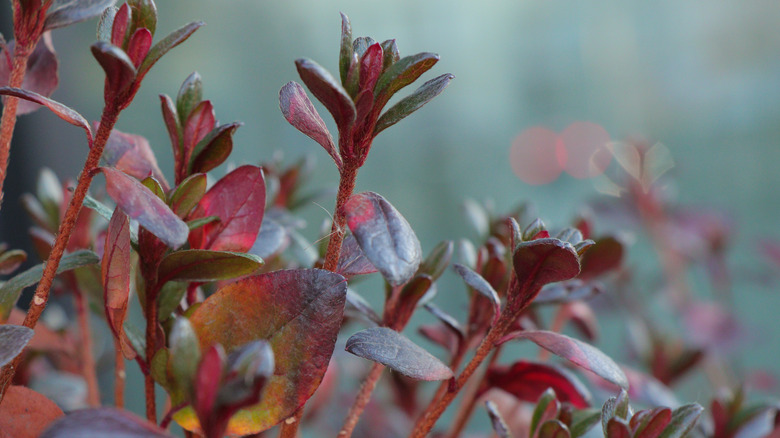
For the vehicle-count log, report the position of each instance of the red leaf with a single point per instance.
(115, 272)
(141, 204)
(171, 120)
(385, 237)
(370, 67)
(120, 71)
(605, 255)
(540, 262)
(575, 351)
(200, 122)
(238, 200)
(207, 381)
(328, 91)
(25, 413)
(617, 428)
(41, 76)
(528, 381)
(139, 46)
(121, 23)
(650, 423)
(132, 155)
(213, 149)
(299, 313)
(299, 111)
(352, 261)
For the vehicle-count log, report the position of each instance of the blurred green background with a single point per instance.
(700, 77)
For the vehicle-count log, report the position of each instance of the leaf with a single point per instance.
(41, 75)
(362, 307)
(554, 429)
(411, 294)
(370, 68)
(352, 260)
(345, 52)
(400, 74)
(199, 123)
(106, 23)
(171, 119)
(546, 409)
(413, 102)
(437, 260)
(529, 380)
(13, 338)
(385, 237)
(271, 239)
(11, 289)
(615, 407)
(498, 423)
(238, 199)
(187, 194)
(65, 13)
(173, 39)
(476, 282)
(60, 110)
(115, 273)
(104, 422)
(325, 88)
(391, 54)
(575, 351)
(213, 149)
(132, 155)
(25, 413)
(650, 423)
(190, 95)
(583, 420)
(299, 111)
(11, 260)
(603, 256)
(169, 297)
(185, 354)
(394, 350)
(206, 265)
(301, 325)
(683, 420)
(207, 382)
(144, 14)
(617, 428)
(142, 205)
(537, 263)
(119, 68)
(138, 46)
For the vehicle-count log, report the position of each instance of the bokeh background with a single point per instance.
(700, 77)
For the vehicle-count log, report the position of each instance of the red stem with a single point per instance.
(41, 297)
(87, 359)
(470, 399)
(362, 399)
(8, 121)
(119, 376)
(151, 350)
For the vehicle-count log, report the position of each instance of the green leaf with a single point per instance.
(301, 325)
(185, 352)
(187, 194)
(11, 289)
(413, 102)
(173, 39)
(345, 53)
(144, 13)
(152, 184)
(546, 408)
(583, 420)
(683, 420)
(401, 74)
(190, 95)
(169, 297)
(206, 265)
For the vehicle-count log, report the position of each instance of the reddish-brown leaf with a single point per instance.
(328, 91)
(199, 123)
(120, 71)
(301, 324)
(139, 46)
(605, 255)
(25, 413)
(206, 265)
(238, 200)
(352, 261)
(213, 149)
(540, 262)
(529, 380)
(132, 155)
(370, 67)
(41, 76)
(141, 204)
(650, 423)
(65, 113)
(575, 351)
(115, 272)
(299, 111)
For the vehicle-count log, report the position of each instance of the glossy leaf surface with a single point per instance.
(385, 237)
(187, 195)
(529, 380)
(11, 289)
(575, 351)
(206, 265)
(396, 351)
(299, 111)
(141, 204)
(103, 422)
(13, 338)
(301, 324)
(413, 102)
(115, 273)
(238, 199)
(402, 73)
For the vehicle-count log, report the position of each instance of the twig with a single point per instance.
(119, 375)
(87, 359)
(8, 121)
(362, 399)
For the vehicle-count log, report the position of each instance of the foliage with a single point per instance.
(241, 322)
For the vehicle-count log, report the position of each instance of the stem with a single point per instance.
(346, 186)
(41, 297)
(289, 427)
(87, 359)
(436, 408)
(119, 376)
(362, 399)
(470, 399)
(166, 421)
(8, 122)
(151, 349)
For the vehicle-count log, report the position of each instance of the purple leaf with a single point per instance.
(141, 204)
(385, 237)
(271, 239)
(13, 338)
(352, 261)
(132, 155)
(575, 351)
(301, 324)
(299, 111)
(115, 273)
(362, 307)
(65, 12)
(413, 102)
(537, 263)
(41, 76)
(529, 380)
(390, 348)
(60, 110)
(325, 88)
(206, 265)
(476, 282)
(102, 422)
(119, 68)
(238, 200)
